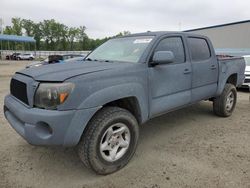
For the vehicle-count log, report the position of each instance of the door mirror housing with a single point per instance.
(163, 57)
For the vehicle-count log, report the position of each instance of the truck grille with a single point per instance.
(247, 81)
(18, 89)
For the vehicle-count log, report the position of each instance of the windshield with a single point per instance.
(128, 49)
(247, 60)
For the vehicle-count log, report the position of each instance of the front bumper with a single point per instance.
(46, 127)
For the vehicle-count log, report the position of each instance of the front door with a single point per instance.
(170, 84)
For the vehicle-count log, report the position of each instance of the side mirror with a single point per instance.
(163, 57)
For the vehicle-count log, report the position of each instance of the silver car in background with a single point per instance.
(26, 56)
(247, 71)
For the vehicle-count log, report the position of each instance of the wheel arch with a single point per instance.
(230, 79)
(130, 96)
(129, 103)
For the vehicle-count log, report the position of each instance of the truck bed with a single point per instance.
(230, 65)
(228, 57)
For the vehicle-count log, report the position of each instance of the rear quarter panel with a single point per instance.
(228, 67)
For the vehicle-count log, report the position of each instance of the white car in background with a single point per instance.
(247, 72)
(25, 56)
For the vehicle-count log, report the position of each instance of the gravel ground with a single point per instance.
(186, 148)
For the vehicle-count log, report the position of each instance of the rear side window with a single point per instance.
(175, 45)
(199, 49)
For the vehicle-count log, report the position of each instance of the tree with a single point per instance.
(82, 37)
(47, 33)
(64, 36)
(16, 26)
(37, 34)
(124, 33)
(8, 30)
(53, 35)
(72, 36)
(28, 26)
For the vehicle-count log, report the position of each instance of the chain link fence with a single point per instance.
(41, 54)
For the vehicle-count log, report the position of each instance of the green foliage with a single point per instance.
(28, 26)
(17, 26)
(52, 35)
(8, 30)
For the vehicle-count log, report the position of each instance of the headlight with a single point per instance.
(50, 95)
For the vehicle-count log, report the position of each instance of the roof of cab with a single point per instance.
(160, 33)
(154, 33)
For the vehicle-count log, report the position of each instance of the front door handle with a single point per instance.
(187, 71)
(213, 67)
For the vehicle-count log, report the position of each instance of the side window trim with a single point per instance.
(171, 36)
(190, 49)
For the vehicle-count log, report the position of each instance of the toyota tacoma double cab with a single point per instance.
(98, 105)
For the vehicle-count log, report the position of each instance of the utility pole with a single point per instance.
(1, 25)
(1, 32)
(179, 25)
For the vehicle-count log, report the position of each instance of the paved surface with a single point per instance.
(187, 148)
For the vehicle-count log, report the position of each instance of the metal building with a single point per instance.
(5, 41)
(233, 37)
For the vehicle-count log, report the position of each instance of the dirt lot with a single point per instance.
(187, 148)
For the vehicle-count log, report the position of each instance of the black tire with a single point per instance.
(89, 145)
(220, 103)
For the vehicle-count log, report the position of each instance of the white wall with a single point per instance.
(232, 36)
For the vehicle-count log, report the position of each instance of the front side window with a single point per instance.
(126, 49)
(175, 45)
(199, 49)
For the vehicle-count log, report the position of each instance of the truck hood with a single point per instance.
(60, 72)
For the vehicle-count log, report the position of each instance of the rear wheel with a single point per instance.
(109, 141)
(224, 105)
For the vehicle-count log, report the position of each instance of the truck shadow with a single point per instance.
(244, 90)
(59, 162)
(177, 120)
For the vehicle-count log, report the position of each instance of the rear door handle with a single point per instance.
(187, 71)
(213, 67)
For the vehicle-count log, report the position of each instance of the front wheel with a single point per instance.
(224, 105)
(109, 140)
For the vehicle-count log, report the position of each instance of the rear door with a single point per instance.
(170, 84)
(204, 68)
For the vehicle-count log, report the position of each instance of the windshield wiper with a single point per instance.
(100, 60)
(105, 60)
(88, 59)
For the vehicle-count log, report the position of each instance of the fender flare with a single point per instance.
(109, 94)
(223, 80)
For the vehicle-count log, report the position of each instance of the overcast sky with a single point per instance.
(108, 17)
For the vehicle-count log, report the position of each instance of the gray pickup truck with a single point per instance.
(98, 105)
